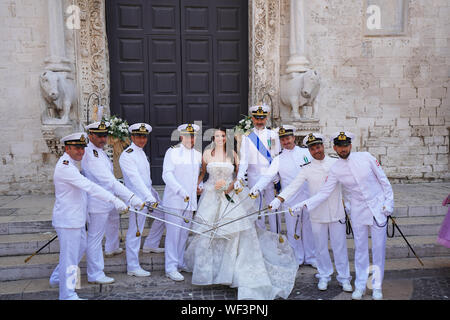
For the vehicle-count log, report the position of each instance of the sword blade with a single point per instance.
(169, 222)
(202, 225)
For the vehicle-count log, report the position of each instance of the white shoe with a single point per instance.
(54, 284)
(377, 294)
(104, 280)
(346, 286)
(175, 276)
(154, 250)
(113, 253)
(323, 285)
(139, 273)
(357, 294)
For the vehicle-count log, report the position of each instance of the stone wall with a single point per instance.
(391, 91)
(26, 164)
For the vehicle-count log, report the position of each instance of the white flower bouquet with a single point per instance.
(118, 128)
(244, 125)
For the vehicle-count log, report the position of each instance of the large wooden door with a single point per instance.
(177, 61)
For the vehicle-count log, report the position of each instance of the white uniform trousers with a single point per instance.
(362, 267)
(176, 238)
(133, 243)
(100, 223)
(267, 195)
(304, 247)
(156, 231)
(112, 231)
(338, 241)
(72, 246)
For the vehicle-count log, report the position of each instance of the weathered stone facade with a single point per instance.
(391, 91)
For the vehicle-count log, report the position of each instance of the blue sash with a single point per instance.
(260, 146)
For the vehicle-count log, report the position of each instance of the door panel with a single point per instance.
(177, 61)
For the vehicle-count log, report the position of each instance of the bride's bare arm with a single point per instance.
(236, 170)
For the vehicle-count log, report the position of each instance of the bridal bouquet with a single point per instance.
(244, 125)
(118, 128)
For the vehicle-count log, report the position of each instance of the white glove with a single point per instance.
(299, 206)
(136, 202)
(386, 212)
(150, 199)
(237, 185)
(255, 191)
(183, 194)
(120, 205)
(200, 185)
(275, 204)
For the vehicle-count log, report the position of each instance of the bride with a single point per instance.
(239, 254)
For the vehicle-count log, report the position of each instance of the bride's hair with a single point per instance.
(230, 153)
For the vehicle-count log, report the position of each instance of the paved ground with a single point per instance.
(405, 283)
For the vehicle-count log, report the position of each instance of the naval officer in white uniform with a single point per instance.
(103, 219)
(258, 148)
(371, 202)
(287, 165)
(181, 169)
(326, 218)
(70, 212)
(136, 175)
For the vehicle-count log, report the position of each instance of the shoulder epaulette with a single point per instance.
(95, 153)
(66, 162)
(129, 150)
(333, 156)
(302, 165)
(175, 146)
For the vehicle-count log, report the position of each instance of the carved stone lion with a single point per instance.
(299, 90)
(60, 94)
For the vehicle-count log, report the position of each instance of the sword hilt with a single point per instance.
(291, 212)
(253, 196)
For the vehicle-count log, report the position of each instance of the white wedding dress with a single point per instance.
(252, 260)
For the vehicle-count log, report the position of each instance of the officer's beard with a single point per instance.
(343, 155)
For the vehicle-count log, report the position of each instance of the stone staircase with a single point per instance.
(25, 226)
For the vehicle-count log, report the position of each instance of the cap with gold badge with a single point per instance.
(140, 129)
(75, 139)
(99, 128)
(260, 111)
(342, 138)
(313, 138)
(188, 129)
(285, 130)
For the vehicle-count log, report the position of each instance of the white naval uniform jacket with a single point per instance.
(136, 172)
(365, 184)
(97, 167)
(288, 164)
(70, 209)
(181, 169)
(315, 173)
(251, 160)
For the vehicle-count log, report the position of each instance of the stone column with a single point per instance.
(297, 61)
(57, 60)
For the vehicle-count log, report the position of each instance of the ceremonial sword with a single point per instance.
(398, 228)
(172, 223)
(51, 240)
(186, 220)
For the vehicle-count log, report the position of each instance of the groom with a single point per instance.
(181, 168)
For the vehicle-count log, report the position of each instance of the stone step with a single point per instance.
(21, 244)
(28, 243)
(39, 288)
(42, 222)
(41, 265)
